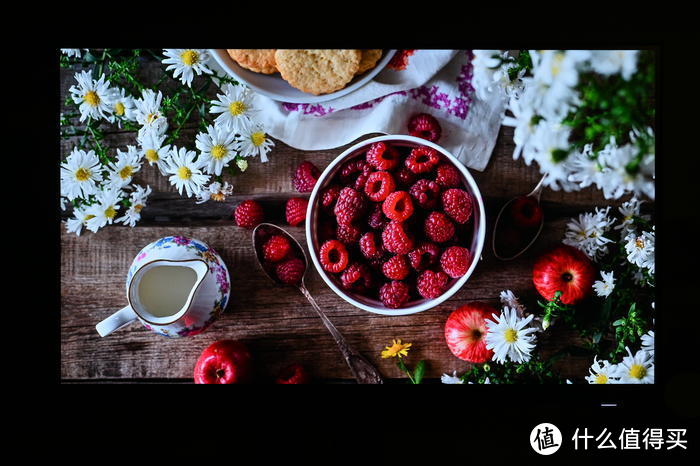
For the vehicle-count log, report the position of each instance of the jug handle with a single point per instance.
(116, 321)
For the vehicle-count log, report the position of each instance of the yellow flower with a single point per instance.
(396, 349)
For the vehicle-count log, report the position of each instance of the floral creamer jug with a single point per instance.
(176, 287)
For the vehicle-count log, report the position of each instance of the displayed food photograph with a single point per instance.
(357, 216)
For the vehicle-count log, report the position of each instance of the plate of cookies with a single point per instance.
(303, 75)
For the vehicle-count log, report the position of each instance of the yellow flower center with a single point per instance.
(639, 243)
(119, 109)
(88, 217)
(138, 207)
(82, 174)
(511, 335)
(151, 117)
(236, 108)
(184, 173)
(556, 64)
(92, 98)
(218, 197)
(219, 151)
(189, 57)
(638, 371)
(126, 172)
(110, 212)
(257, 138)
(152, 155)
(601, 379)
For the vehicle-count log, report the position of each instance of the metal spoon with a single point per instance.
(363, 371)
(535, 194)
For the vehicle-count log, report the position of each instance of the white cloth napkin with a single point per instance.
(437, 82)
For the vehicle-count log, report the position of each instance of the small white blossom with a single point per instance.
(510, 337)
(254, 141)
(605, 287)
(153, 150)
(80, 174)
(602, 372)
(186, 63)
(185, 171)
(122, 106)
(92, 96)
(637, 368)
(610, 62)
(215, 191)
(79, 220)
(587, 233)
(235, 106)
(138, 202)
(217, 148)
(148, 113)
(629, 210)
(72, 52)
(122, 171)
(648, 342)
(451, 379)
(640, 250)
(105, 209)
(509, 299)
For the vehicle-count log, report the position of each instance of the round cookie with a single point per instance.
(258, 60)
(369, 59)
(318, 71)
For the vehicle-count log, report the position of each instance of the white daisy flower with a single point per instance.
(148, 113)
(235, 106)
(122, 106)
(186, 63)
(72, 52)
(122, 171)
(648, 342)
(91, 96)
(242, 164)
(138, 202)
(617, 180)
(629, 210)
(509, 299)
(584, 169)
(486, 381)
(254, 141)
(549, 146)
(217, 148)
(510, 336)
(79, 220)
(485, 65)
(80, 173)
(602, 372)
(153, 150)
(606, 286)
(640, 250)
(610, 62)
(185, 171)
(587, 233)
(636, 369)
(105, 209)
(451, 379)
(215, 191)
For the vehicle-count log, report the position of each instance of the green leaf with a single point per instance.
(418, 372)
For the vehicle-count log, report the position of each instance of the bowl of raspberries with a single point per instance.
(395, 225)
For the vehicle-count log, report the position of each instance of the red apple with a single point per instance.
(465, 332)
(526, 212)
(564, 269)
(224, 362)
(294, 374)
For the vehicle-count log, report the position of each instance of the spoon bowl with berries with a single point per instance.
(284, 261)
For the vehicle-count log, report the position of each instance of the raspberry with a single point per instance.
(379, 185)
(394, 294)
(404, 177)
(276, 248)
(431, 284)
(422, 159)
(395, 238)
(448, 176)
(334, 256)
(425, 126)
(382, 157)
(438, 227)
(349, 206)
(426, 193)
(369, 247)
(400, 59)
(350, 170)
(348, 234)
(328, 197)
(457, 203)
(296, 210)
(290, 271)
(424, 256)
(248, 214)
(376, 219)
(398, 206)
(361, 181)
(293, 375)
(396, 268)
(305, 177)
(357, 277)
(455, 261)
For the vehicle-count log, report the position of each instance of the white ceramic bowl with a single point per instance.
(276, 88)
(478, 223)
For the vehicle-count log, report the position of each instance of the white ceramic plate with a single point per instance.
(276, 88)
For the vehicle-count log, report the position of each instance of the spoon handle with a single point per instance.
(361, 368)
(537, 192)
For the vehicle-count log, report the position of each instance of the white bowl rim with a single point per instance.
(219, 57)
(480, 229)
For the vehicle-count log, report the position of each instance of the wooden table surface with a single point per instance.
(278, 324)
